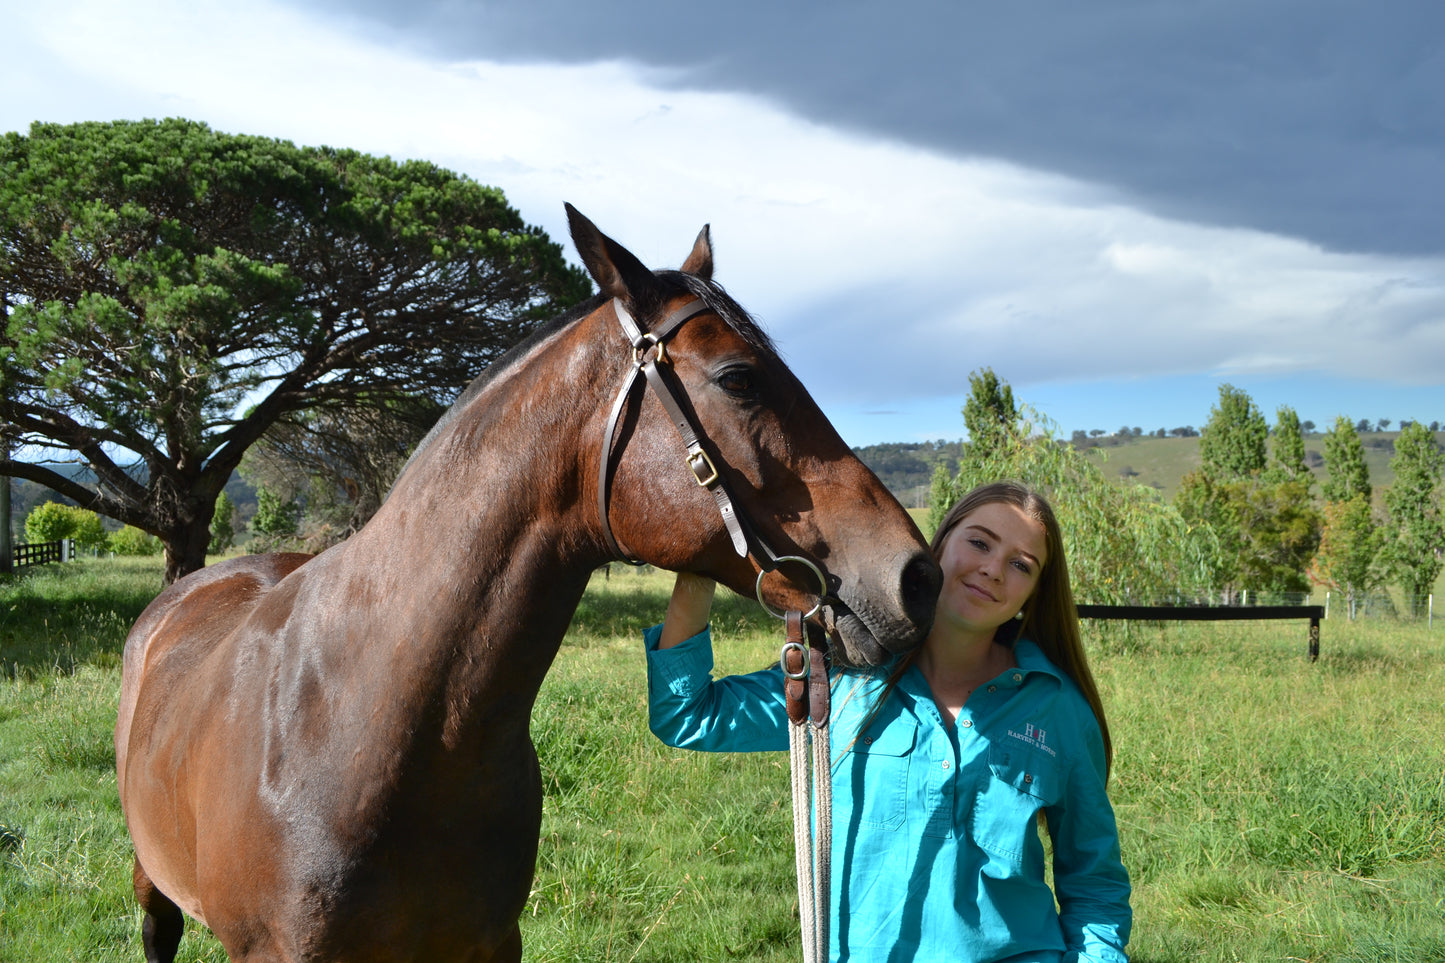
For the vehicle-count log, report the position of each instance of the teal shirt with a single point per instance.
(936, 851)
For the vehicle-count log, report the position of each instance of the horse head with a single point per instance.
(791, 488)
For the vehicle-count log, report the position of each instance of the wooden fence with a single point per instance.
(41, 553)
(1212, 613)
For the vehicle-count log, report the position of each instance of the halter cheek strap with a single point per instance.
(649, 354)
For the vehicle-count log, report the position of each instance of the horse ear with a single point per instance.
(699, 262)
(618, 273)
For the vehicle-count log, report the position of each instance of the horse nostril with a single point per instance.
(919, 587)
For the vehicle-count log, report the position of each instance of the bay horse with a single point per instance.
(328, 759)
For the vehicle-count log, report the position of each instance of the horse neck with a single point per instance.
(488, 529)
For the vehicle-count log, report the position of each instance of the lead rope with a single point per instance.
(806, 693)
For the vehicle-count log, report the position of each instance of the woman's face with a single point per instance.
(991, 563)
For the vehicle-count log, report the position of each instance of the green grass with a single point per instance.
(1269, 808)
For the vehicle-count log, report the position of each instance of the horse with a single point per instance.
(328, 758)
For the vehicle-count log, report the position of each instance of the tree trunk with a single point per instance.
(186, 546)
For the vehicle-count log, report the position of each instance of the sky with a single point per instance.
(1117, 205)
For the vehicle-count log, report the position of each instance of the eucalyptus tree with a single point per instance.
(169, 293)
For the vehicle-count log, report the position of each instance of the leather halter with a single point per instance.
(648, 354)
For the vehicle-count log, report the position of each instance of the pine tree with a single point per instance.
(1417, 522)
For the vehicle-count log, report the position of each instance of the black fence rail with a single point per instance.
(1212, 613)
(42, 553)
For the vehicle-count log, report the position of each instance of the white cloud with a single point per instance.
(887, 272)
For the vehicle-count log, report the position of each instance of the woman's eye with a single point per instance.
(1023, 567)
(979, 544)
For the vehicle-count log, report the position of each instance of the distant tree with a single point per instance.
(1095, 432)
(1079, 438)
(153, 275)
(1267, 528)
(1363, 426)
(276, 515)
(1232, 443)
(132, 541)
(1289, 448)
(1348, 476)
(49, 522)
(1307, 426)
(1417, 523)
(1434, 426)
(52, 521)
(1185, 431)
(1138, 431)
(1383, 424)
(223, 525)
(1405, 423)
(1347, 559)
(989, 414)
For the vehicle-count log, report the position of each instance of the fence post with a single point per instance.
(1327, 603)
(1430, 611)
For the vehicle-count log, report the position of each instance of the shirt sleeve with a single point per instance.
(688, 709)
(1090, 881)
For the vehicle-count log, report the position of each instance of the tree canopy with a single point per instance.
(156, 275)
(1232, 443)
(1349, 476)
(1417, 521)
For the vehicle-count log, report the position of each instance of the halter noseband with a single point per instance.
(648, 352)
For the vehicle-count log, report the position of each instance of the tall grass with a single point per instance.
(1270, 808)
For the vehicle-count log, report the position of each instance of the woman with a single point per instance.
(944, 760)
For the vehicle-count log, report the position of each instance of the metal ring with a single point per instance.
(822, 588)
(783, 661)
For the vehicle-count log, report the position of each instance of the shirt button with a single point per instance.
(867, 740)
(946, 763)
(966, 723)
(1018, 677)
(993, 688)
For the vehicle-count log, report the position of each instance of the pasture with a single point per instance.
(1270, 809)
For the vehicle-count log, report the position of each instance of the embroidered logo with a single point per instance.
(1033, 736)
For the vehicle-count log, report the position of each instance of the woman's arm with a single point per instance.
(688, 609)
(687, 707)
(1090, 881)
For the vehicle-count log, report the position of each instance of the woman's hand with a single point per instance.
(687, 610)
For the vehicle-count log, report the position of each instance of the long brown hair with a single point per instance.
(1049, 617)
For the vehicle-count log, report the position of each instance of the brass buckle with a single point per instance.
(639, 354)
(691, 459)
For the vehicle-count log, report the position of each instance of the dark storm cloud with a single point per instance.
(1318, 119)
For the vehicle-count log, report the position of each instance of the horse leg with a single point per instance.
(161, 929)
(510, 949)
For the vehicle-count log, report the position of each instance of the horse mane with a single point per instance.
(673, 283)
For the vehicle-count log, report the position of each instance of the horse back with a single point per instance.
(187, 619)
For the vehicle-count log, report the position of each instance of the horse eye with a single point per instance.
(738, 382)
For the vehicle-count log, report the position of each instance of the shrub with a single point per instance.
(132, 541)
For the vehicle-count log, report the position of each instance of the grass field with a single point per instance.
(1270, 809)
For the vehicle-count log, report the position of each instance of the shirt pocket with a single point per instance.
(1021, 781)
(875, 775)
